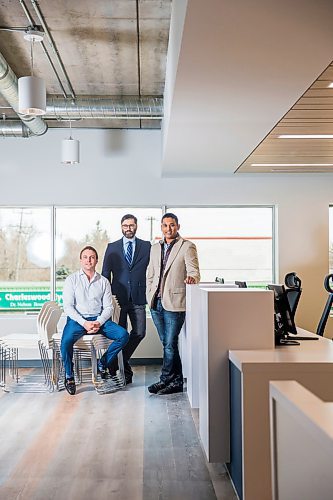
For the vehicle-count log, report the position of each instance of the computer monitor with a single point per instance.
(241, 284)
(283, 318)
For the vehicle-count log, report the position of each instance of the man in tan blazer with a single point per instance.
(173, 265)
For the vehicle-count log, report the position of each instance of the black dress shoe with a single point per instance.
(170, 389)
(102, 370)
(154, 388)
(70, 386)
(128, 379)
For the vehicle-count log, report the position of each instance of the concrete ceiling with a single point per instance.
(108, 48)
(241, 67)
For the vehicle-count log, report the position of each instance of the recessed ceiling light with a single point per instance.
(331, 85)
(292, 170)
(305, 136)
(291, 164)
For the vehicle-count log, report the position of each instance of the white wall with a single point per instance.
(122, 167)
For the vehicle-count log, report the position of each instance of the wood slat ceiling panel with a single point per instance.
(286, 170)
(312, 92)
(306, 114)
(305, 149)
(318, 128)
(311, 114)
(321, 84)
(327, 74)
(316, 100)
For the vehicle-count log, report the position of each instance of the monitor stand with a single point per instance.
(299, 337)
(288, 341)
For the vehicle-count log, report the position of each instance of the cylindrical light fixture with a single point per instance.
(70, 151)
(32, 95)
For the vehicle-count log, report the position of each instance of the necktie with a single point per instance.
(129, 253)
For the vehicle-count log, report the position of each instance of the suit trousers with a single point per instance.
(73, 331)
(137, 316)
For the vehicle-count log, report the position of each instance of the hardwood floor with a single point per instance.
(128, 445)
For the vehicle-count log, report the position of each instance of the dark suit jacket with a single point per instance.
(127, 282)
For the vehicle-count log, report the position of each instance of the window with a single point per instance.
(25, 258)
(77, 227)
(234, 243)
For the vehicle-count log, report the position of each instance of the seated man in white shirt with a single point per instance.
(87, 300)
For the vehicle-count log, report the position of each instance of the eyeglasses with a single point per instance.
(128, 226)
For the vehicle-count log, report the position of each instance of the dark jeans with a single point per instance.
(168, 325)
(137, 316)
(73, 331)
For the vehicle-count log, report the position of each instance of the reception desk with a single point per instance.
(237, 318)
(190, 337)
(310, 364)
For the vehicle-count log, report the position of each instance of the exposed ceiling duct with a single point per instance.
(9, 90)
(14, 128)
(129, 108)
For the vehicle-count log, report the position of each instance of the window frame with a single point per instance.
(164, 209)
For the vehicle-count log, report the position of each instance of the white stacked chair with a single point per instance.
(45, 344)
(87, 351)
(9, 349)
(47, 320)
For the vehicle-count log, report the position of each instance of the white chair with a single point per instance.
(87, 350)
(47, 319)
(9, 352)
(45, 344)
(99, 344)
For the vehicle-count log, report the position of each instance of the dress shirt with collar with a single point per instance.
(83, 298)
(125, 245)
(167, 246)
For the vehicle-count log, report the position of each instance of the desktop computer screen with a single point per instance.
(284, 323)
(283, 318)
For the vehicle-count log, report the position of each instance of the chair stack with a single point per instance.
(46, 326)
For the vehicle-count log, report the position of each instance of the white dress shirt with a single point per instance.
(83, 298)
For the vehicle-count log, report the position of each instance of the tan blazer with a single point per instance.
(182, 262)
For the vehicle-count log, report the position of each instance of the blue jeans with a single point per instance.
(73, 331)
(168, 325)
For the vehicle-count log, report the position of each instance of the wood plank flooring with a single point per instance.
(128, 445)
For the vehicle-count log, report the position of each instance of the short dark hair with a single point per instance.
(129, 216)
(170, 215)
(88, 247)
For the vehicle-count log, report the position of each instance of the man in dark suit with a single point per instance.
(125, 263)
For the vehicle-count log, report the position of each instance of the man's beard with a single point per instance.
(128, 234)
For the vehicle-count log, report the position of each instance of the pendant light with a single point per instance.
(70, 149)
(31, 89)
